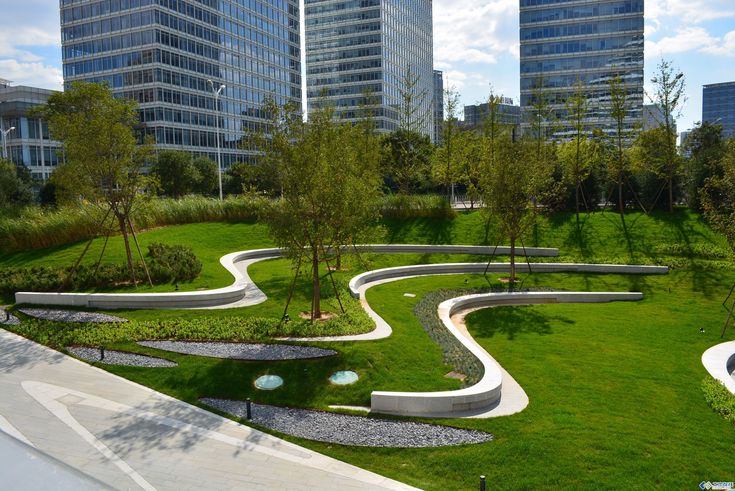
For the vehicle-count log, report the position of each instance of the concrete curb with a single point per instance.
(487, 391)
(719, 361)
(242, 292)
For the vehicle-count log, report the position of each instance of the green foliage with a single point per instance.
(167, 264)
(705, 147)
(329, 181)
(718, 195)
(406, 161)
(172, 263)
(15, 187)
(719, 398)
(36, 228)
(175, 173)
(455, 354)
(416, 206)
(207, 177)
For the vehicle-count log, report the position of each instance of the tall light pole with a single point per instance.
(5, 141)
(217, 93)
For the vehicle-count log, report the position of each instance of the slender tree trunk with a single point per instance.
(576, 201)
(316, 310)
(512, 260)
(129, 255)
(671, 194)
(620, 198)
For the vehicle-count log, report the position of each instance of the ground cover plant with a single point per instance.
(615, 389)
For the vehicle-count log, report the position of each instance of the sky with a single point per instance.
(475, 44)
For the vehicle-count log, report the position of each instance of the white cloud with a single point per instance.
(35, 74)
(685, 39)
(725, 47)
(688, 12)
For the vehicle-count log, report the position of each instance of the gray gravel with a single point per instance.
(113, 357)
(358, 431)
(71, 316)
(241, 351)
(8, 319)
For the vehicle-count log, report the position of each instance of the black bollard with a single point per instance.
(249, 409)
(482, 483)
(102, 353)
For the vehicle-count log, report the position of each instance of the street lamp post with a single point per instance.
(5, 141)
(217, 93)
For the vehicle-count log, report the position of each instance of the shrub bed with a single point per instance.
(166, 264)
(416, 206)
(719, 398)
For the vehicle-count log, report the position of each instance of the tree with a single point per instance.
(15, 186)
(617, 163)
(668, 94)
(718, 194)
(103, 159)
(175, 173)
(577, 154)
(414, 113)
(448, 156)
(329, 181)
(406, 160)
(470, 172)
(510, 185)
(650, 161)
(705, 148)
(206, 183)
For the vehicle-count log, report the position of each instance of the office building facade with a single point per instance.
(363, 55)
(589, 42)
(438, 105)
(508, 114)
(163, 53)
(28, 143)
(718, 106)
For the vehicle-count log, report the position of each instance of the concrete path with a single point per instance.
(130, 437)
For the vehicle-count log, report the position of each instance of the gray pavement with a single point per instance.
(130, 437)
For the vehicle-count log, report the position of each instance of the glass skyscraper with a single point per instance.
(162, 53)
(360, 53)
(718, 106)
(564, 42)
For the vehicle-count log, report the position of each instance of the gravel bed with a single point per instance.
(8, 319)
(71, 316)
(124, 358)
(355, 431)
(241, 351)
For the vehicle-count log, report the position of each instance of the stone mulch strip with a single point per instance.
(124, 358)
(241, 351)
(356, 431)
(8, 319)
(71, 316)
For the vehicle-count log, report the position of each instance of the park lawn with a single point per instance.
(614, 388)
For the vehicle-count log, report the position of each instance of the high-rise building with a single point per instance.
(438, 105)
(718, 106)
(27, 143)
(587, 42)
(365, 55)
(508, 113)
(163, 53)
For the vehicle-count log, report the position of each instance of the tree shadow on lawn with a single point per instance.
(423, 230)
(512, 321)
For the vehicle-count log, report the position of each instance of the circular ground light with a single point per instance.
(345, 377)
(268, 382)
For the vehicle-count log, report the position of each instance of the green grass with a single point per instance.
(615, 389)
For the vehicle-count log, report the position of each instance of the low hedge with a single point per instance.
(166, 264)
(719, 398)
(416, 206)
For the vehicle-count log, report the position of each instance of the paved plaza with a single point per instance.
(130, 437)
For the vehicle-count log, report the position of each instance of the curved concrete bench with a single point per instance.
(243, 291)
(487, 391)
(478, 268)
(720, 362)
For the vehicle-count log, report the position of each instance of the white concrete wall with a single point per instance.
(487, 391)
(719, 362)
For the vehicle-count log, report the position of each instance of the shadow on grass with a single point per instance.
(511, 322)
(426, 230)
